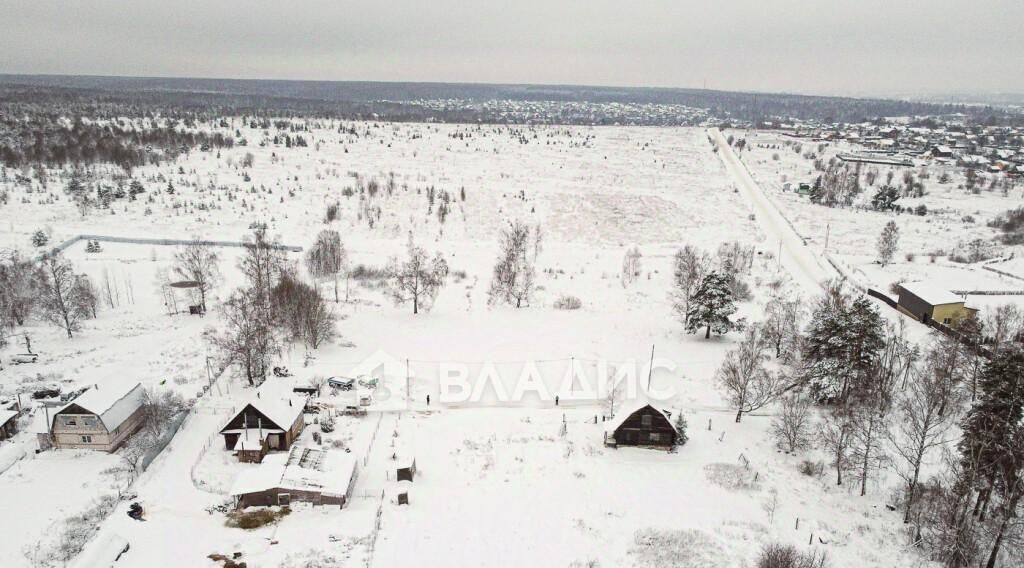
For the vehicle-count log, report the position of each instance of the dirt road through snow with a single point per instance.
(797, 258)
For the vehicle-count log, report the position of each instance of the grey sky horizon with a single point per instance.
(870, 47)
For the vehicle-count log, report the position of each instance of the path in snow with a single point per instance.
(797, 258)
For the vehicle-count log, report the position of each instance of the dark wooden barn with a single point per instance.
(643, 426)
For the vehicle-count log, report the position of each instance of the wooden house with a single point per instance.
(102, 418)
(641, 425)
(264, 425)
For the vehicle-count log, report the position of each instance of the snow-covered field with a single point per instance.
(500, 484)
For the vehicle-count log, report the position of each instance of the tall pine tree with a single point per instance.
(992, 446)
(711, 307)
(843, 339)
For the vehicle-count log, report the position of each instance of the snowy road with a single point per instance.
(797, 258)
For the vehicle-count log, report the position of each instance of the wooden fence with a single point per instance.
(160, 242)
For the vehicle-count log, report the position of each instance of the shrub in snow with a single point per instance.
(731, 476)
(776, 555)
(255, 519)
(812, 468)
(312, 559)
(678, 549)
(568, 303)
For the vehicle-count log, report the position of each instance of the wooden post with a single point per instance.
(709, 424)
(811, 540)
(797, 527)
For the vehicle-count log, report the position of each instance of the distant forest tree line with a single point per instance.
(41, 117)
(45, 138)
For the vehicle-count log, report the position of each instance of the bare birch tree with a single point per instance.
(418, 279)
(921, 428)
(690, 265)
(747, 383)
(198, 262)
(836, 433)
(514, 278)
(792, 428)
(327, 258)
(248, 340)
(60, 300)
(869, 428)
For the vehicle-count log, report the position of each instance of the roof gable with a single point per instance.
(113, 403)
(276, 414)
(623, 416)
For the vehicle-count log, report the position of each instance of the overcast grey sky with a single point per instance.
(812, 46)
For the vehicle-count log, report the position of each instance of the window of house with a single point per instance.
(646, 421)
(70, 422)
(655, 437)
(86, 439)
(946, 321)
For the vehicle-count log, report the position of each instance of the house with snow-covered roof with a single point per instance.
(102, 418)
(926, 301)
(312, 475)
(640, 424)
(263, 425)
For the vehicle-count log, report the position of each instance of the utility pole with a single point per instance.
(650, 370)
(827, 227)
(408, 385)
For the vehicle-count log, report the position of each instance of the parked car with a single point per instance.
(282, 372)
(20, 358)
(341, 383)
(45, 393)
(368, 383)
(72, 395)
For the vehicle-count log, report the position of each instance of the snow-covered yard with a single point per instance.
(508, 483)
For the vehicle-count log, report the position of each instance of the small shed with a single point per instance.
(405, 468)
(640, 425)
(926, 302)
